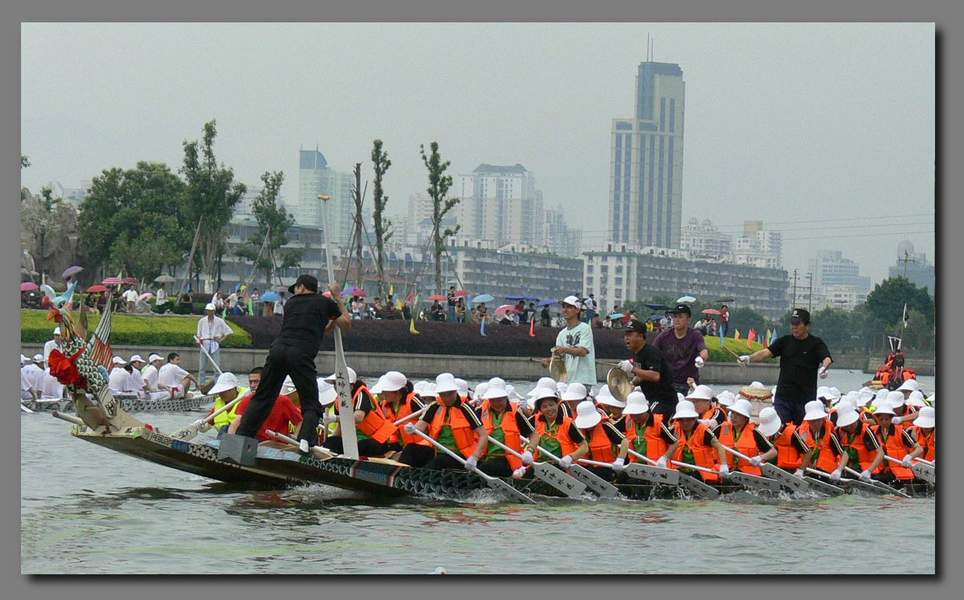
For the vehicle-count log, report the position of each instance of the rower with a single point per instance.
(544, 382)
(555, 431)
(696, 444)
(790, 446)
(503, 423)
(227, 388)
(397, 399)
(647, 433)
(119, 379)
(724, 400)
(136, 383)
(702, 399)
(172, 378)
(825, 453)
(768, 427)
(570, 399)
(149, 372)
(742, 435)
(31, 377)
(896, 442)
(284, 417)
(911, 407)
(924, 433)
(452, 424)
(908, 386)
(859, 443)
(375, 432)
(606, 438)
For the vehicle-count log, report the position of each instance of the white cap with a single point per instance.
(561, 387)
(847, 417)
(769, 421)
(352, 377)
(823, 392)
(513, 395)
(495, 391)
(209, 306)
(136, 358)
(636, 404)
(326, 392)
(743, 407)
(154, 357)
(814, 410)
(916, 399)
(542, 383)
(847, 403)
(726, 398)
(463, 386)
(702, 392)
(495, 380)
(930, 399)
(445, 382)
(428, 390)
(758, 385)
(680, 397)
(419, 387)
(572, 301)
(575, 391)
(685, 410)
(605, 396)
(390, 382)
(926, 417)
(909, 385)
(895, 399)
(24, 360)
(288, 385)
(225, 382)
(586, 415)
(56, 330)
(116, 360)
(884, 408)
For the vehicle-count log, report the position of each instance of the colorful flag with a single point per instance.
(736, 334)
(411, 327)
(766, 338)
(773, 337)
(99, 345)
(750, 338)
(532, 327)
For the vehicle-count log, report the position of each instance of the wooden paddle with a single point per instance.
(878, 484)
(411, 416)
(568, 485)
(201, 346)
(493, 482)
(24, 409)
(317, 451)
(748, 479)
(850, 483)
(595, 483)
(191, 431)
(641, 472)
(692, 484)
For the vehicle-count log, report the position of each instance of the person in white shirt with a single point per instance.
(279, 306)
(160, 297)
(130, 297)
(173, 379)
(27, 369)
(57, 342)
(210, 331)
(136, 379)
(51, 388)
(119, 379)
(149, 372)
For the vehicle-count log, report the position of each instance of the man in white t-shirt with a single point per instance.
(119, 377)
(27, 377)
(136, 379)
(575, 344)
(149, 372)
(211, 330)
(130, 297)
(51, 387)
(57, 342)
(172, 378)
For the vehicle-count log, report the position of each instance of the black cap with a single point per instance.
(800, 315)
(682, 309)
(637, 326)
(309, 281)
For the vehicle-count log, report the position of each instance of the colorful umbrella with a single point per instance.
(96, 289)
(28, 286)
(112, 281)
(437, 298)
(710, 311)
(657, 306)
(482, 298)
(129, 280)
(524, 298)
(164, 279)
(270, 296)
(616, 315)
(72, 271)
(547, 302)
(461, 294)
(685, 300)
(505, 308)
(145, 296)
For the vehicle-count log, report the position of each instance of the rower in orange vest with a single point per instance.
(924, 432)
(504, 423)
(858, 443)
(897, 443)
(790, 447)
(397, 399)
(647, 433)
(555, 431)
(742, 435)
(604, 427)
(374, 431)
(451, 423)
(696, 444)
(816, 430)
(702, 398)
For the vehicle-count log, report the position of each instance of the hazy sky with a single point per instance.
(824, 131)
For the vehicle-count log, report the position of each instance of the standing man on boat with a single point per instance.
(803, 357)
(649, 371)
(683, 349)
(211, 330)
(308, 315)
(575, 344)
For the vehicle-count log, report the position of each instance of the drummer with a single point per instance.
(575, 345)
(649, 371)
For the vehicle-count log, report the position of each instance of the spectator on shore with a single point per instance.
(607, 322)
(545, 316)
(279, 305)
(211, 330)
(483, 312)
(590, 308)
(130, 297)
(160, 297)
(724, 321)
(450, 299)
(460, 310)
(436, 311)
(406, 311)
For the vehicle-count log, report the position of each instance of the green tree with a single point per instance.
(131, 220)
(886, 302)
(24, 161)
(211, 195)
(264, 249)
(439, 184)
(383, 227)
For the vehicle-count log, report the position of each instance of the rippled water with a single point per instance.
(88, 510)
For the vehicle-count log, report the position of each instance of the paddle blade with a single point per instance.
(794, 484)
(824, 488)
(697, 487)
(595, 483)
(570, 486)
(497, 484)
(655, 475)
(753, 482)
(925, 472)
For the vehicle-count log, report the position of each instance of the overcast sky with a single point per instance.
(824, 131)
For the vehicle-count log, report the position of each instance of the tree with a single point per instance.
(211, 195)
(264, 248)
(132, 221)
(439, 184)
(48, 222)
(383, 227)
(24, 161)
(886, 302)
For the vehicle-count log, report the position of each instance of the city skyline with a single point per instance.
(807, 168)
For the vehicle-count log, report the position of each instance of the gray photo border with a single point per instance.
(945, 13)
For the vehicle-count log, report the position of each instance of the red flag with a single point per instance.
(532, 327)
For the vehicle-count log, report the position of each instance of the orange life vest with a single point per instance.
(855, 444)
(374, 425)
(601, 448)
(825, 459)
(406, 407)
(703, 455)
(927, 441)
(788, 457)
(561, 435)
(894, 447)
(656, 446)
(462, 430)
(510, 431)
(745, 445)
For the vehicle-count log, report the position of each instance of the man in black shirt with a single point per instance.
(802, 358)
(307, 315)
(649, 371)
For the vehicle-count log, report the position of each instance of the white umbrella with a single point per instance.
(686, 300)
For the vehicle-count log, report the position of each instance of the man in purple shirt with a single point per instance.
(683, 349)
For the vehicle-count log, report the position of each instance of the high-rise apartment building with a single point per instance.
(500, 204)
(315, 177)
(702, 240)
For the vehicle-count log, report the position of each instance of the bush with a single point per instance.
(149, 330)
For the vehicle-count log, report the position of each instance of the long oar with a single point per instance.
(651, 472)
(925, 472)
(191, 431)
(201, 346)
(69, 418)
(568, 485)
(24, 409)
(417, 413)
(316, 451)
(879, 484)
(787, 480)
(749, 480)
(595, 483)
(924, 463)
(692, 484)
(346, 413)
(856, 484)
(493, 482)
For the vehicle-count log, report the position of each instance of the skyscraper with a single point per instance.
(646, 162)
(316, 177)
(502, 204)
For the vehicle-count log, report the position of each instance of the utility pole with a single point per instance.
(359, 281)
(810, 293)
(793, 303)
(906, 259)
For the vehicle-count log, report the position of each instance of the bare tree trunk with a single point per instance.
(359, 280)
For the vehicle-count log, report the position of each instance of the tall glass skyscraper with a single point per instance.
(646, 162)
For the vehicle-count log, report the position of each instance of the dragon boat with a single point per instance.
(129, 403)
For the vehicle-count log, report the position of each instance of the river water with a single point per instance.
(87, 510)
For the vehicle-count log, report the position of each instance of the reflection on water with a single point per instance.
(88, 510)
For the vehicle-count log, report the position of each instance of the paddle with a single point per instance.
(191, 431)
(68, 418)
(346, 413)
(638, 471)
(878, 484)
(858, 484)
(316, 451)
(493, 482)
(26, 410)
(201, 346)
(595, 483)
(762, 483)
(925, 472)
(568, 485)
(411, 416)
(692, 484)
(925, 464)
